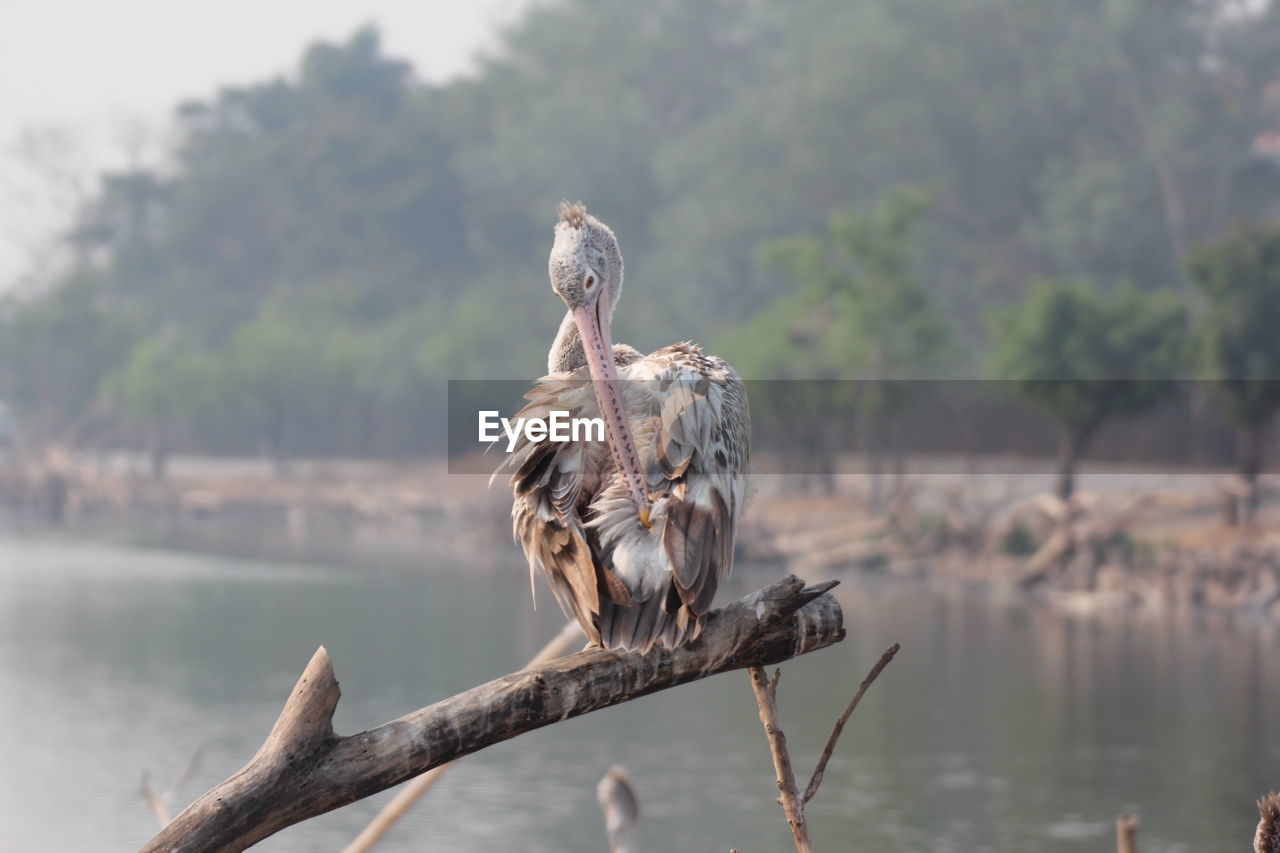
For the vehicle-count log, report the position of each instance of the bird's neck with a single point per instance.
(566, 352)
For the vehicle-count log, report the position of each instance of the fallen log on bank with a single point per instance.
(305, 769)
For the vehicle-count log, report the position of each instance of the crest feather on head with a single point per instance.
(573, 213)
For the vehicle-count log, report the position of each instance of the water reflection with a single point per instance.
(999, 727)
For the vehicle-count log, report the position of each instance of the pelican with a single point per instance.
(633, 533)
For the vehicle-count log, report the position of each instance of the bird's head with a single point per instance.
(585, 264)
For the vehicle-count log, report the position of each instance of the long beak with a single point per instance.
(593, 326)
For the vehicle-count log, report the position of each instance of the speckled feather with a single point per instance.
(629, 586)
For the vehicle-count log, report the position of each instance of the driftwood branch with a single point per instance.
(793, 802)
(561, 644)
(305, 769)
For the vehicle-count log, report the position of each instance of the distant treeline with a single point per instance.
(320, 252)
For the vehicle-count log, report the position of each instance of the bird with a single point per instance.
(633, 530)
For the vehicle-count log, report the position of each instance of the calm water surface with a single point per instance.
(1000, 727)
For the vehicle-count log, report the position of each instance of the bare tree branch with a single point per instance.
(766, 690)
(305, 769)
(816, 779)
(559, 645)
(793, 803)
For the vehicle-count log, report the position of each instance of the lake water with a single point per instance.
(1000, 727)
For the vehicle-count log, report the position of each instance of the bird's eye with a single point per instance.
(589, 282)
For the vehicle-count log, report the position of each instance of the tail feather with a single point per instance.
(643, 625)
(646, 632)
(679, 631)
(617, 624)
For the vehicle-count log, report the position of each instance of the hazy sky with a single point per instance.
(90, 79)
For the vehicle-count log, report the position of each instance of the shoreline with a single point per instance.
(1142, 540)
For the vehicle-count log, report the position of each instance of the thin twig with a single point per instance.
(818, 771)
(158, 803)
(157, 806)
(193, 763)
(766, 690)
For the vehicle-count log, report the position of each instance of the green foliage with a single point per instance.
(1082, 355)
(55, 351)
(857, 311)
(283, 368)
(1239, 276)
(164, 381)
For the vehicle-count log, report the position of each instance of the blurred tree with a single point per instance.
(859, 312)
(163, 386)
(1057, 139)
(285, 368)
(1084, 356)
(1239, 276)
(340, 182)
(55, 353)
(1089, 140)
(874, 317)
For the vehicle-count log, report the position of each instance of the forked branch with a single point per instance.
(766, 690)
(793, 802)
(305, 769)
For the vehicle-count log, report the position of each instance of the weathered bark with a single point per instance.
(564, 642)
(305, 769)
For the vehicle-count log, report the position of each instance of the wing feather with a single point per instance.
(693, 433)
(547, 479)
(629, 586)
